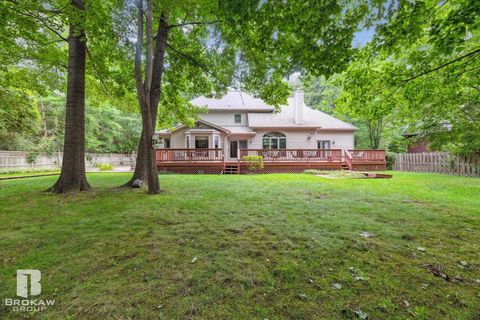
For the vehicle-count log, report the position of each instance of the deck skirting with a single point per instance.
(277, 167)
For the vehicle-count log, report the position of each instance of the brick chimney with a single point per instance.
(298, 96)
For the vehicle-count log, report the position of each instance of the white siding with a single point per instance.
(178, 139)
(343, 140)
(299, 139)
(225, 118)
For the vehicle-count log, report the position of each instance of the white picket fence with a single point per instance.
(29, 160)
(438, 162)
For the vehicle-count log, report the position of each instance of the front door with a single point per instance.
(234, 149)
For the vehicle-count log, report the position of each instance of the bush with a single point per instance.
(390, 158)
(31, 158)
(104, 167)
(254, 162)
(314, 171)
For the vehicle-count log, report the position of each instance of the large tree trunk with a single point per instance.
(140, 164)
(151, 168)
(72, 177)
(149, 96)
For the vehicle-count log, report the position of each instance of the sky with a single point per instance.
(362, 37)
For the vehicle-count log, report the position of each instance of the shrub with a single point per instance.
(104, 167)
(254, 162)
(31, 158)
(390, 158)
(315, 171)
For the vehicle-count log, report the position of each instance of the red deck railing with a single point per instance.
(349, 157)
(367, 155)
(189, 155)
(301, 155)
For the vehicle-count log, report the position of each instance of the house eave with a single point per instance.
(337, 129)
(241, 110)
(285, 127)
(219, 128)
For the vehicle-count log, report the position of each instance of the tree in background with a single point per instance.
(366, 96)
(422, 68)
(322, 94)
(18, 115)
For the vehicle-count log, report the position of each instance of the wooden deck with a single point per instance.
(274, 160)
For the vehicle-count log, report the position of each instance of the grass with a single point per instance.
(28, 172)
(247, 247)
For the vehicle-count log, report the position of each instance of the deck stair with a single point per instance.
(231, 169)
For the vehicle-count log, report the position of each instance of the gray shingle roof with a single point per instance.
(233, 100)
(285, 118)
(262, 115)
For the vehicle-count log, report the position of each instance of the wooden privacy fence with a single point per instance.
(10, 160)
(438, 162)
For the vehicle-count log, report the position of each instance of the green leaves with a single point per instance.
(419, 74)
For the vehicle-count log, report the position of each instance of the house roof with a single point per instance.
(233, 100)
(261, 115)
(209, 124)
(285, 119)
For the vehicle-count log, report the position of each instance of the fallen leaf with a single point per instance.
(436, 271)
(366, 234)
(361, 314)
(337, 286)
(357, 274)
(194, 259)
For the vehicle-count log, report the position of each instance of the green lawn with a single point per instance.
(247, 247)
(24, 173)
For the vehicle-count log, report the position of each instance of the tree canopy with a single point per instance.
(420, 73)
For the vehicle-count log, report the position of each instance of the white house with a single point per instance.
(239, 121)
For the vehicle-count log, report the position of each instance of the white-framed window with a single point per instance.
(201, 142)
(274, 140)
(238, 118)
(166, 143)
